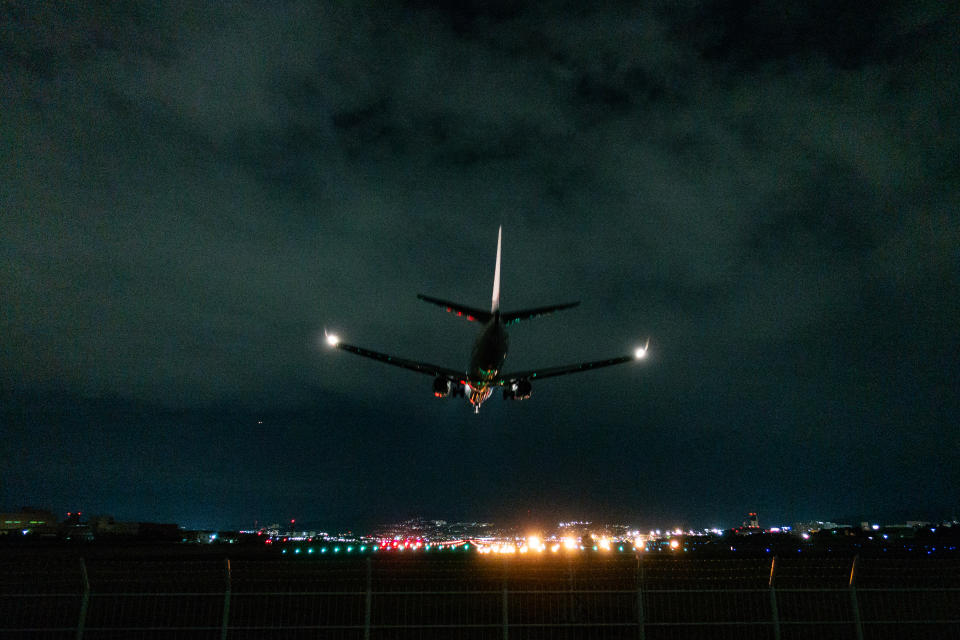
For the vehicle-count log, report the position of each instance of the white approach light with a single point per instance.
(641, 353)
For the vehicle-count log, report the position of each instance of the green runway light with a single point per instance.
(349, 549)
(363, 547)
(310, 550)
(284, 551)
(336, 549)
(297, 550)
(323, 549)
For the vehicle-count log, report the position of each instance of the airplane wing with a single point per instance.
(413, 365)
(537, 374)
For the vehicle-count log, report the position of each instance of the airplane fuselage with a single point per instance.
(486, 359)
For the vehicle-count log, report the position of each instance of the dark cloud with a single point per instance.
(191, 194)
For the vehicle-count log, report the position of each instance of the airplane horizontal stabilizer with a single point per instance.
(516, 316)
(470, 313)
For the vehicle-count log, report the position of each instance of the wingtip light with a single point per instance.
(641, 353)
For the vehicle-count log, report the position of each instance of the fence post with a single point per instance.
(84, 599)
(505, 600)
(853, 599)
(368, 602)
(226, 603)
(773, 600)
(641, 629)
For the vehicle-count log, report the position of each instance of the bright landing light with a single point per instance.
(332, 339)
(641, 353)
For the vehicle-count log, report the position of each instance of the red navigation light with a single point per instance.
(268, 541)
(449, 309)
(471, 318)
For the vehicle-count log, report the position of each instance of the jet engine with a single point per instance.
(441, 387)
(519, 390)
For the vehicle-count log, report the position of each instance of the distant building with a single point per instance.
(751, 521)
(28, 520)
(106, 526)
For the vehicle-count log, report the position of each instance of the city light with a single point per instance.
(570, 543)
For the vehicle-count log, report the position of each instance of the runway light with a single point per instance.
(569, 543)
(555, 548)
(674, 544)
(604, 544)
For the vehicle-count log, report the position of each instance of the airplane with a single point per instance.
(489, 352)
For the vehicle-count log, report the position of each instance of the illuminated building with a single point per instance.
(28, 520)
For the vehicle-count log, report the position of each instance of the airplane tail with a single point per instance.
(526, 314)
(495, 306)
(470, 313)
(479, 315)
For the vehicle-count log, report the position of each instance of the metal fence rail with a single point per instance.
(381, 597)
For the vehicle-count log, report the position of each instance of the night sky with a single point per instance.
(189, 195)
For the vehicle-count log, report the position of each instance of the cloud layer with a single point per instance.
(190, 195)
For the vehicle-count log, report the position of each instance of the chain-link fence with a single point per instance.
(394, 596)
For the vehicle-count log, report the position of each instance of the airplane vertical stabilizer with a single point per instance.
(496, 276)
